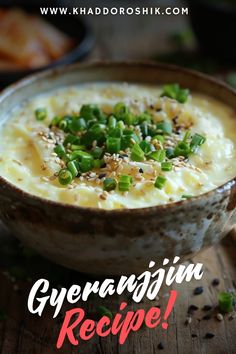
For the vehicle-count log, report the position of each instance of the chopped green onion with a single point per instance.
(72, 168)
(225, 302)
(186, 196)
(130, 119)
(158, 155)
(97, 152)
(137, 154)
(98, 131)
(97, 163)
(197, 140)
(144, 129)
(120, 125)
(40, 113)
(151, 130)
(170, 90)
(144, 117)
(160, 182)
(187, 136)
(88, 138)
(109, 184)
(120, 110)
(126, 142)
(174, 91)
(164, 127)
(65, 177)
(182, 149)
(90, 112)
(111, 122)
(74, 147)
(170, 153)
(124, 183)
(80, 154)
(113, 145)
(166, 166)
(71, 139)
(116, 132)
(86, 163)
(160, 138)
(78, 124)
(145, 146)
(63, 124)
(182, 96)
(55, 120)
(60, 150)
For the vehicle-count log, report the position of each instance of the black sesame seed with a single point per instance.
(160, 346)
(140, 170)
(207, 308)
(192, 308)
(209, 335)
(207, 317)
(215, 282)
(198, 290)
(102, 175)
(194, 335)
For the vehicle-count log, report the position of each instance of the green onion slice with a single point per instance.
(137, 154)
(225, 302)
(40, 113)
(166, 166)
(160, 182)
(109, 184)
(65, 177)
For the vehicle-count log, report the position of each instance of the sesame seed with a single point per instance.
(102, 196)
(188, 320)
(45, 179)
(219, 317)
(17, 162)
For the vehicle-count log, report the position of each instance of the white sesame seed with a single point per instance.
(219, 317)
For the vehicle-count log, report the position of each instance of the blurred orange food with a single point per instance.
(28, 42)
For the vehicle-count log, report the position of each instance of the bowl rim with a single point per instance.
(20, 84)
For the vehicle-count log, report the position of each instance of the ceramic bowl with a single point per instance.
(118, 241)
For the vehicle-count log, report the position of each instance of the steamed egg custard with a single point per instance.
(118, 145)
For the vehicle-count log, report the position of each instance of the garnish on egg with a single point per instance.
(92, 139)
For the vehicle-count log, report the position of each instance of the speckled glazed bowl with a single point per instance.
(120, 241)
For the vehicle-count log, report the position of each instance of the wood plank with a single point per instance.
(25, 333)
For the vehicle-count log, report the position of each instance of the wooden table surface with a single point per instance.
(21, 332)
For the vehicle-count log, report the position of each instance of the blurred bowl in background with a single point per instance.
(73, 27)
(213, 22)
